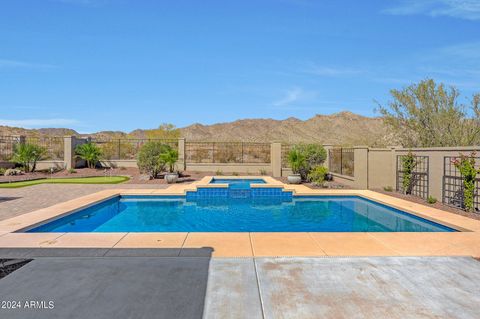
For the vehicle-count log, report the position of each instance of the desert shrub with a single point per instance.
(388, 188)
(317, 175)
(89, 152)
(296, 160)
(313, 155)
(27, 155)
(218, 172)
(431, 199)
(235, 174)
(263, 172)
(169, 157)
(149, 159)
(430, 114)
(466, 166)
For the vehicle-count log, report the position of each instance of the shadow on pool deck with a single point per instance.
(138, 285)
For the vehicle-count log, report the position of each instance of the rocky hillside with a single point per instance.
(344, 128)
(339, 128)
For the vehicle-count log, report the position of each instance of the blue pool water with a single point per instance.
(237, 183)
(244, 214)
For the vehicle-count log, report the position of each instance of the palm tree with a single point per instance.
(170, 157)
(89, 152)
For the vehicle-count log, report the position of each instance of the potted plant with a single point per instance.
(170, 158)
(296, 159)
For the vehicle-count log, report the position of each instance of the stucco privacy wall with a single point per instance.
(436, 159)
(375, 168)
(381, 168)
(382, 165)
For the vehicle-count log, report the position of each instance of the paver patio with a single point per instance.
(27, 199)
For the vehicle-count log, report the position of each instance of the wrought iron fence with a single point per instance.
(420, 181)
(7, 146)
(286, 148)
(227, 152)
(53, 146)
(453, 187)
(342, 161)
(126, 148)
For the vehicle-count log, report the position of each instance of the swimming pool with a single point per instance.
(240, 183)
(257, 213)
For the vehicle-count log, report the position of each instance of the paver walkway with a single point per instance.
(187, 287)
(27, 199)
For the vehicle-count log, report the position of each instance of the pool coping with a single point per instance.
(465, 242)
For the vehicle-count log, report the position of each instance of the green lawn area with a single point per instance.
(74, 180)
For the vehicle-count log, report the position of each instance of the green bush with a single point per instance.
(431, 199)
(466, 165)
(263, 172)
(408, 165)
(149, 158)
(388, 188)
(169, 157)
(2, 171)
(90, 153)
(317, 175)
(296, 160)
(314, 155)
(27, 155)
(71, 171)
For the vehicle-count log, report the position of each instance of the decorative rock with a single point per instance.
(13, 172)
(144, 177)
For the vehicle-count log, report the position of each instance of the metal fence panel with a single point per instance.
(52, 144)
(126, 148)
(227, 152)
(342, 161)
(285, 150)
(7, 145)
(453, 188)
(420, 179)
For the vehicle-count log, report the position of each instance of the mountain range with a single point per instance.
(344, 128)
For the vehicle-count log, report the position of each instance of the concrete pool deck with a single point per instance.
(203, 287)
(466, 242)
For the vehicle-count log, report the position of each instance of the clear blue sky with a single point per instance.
(124, 64)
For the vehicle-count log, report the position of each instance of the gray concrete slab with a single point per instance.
(110, 287)
(370, 287)
(232, 290)
(176, 287)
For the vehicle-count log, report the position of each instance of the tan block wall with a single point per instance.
(346, 180)
(230, 168)
(380, 168)
(41, 165)
(436, 159)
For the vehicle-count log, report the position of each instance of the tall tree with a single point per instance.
(429, 114)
